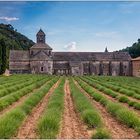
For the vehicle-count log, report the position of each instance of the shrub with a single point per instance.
(49, 123)
(110, 92)
(9, 99)
(136, 96)
(11, 121)
(101, 134)
(131, 103)
(123, 99)
(48, 127)
(128, 117)
(103, 101)
(113, 108)
(91, 118)
(88, 112)
(123, 114)
(127, 92)
(97, 96)
(136, 106)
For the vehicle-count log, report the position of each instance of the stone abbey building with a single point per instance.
(41, 59)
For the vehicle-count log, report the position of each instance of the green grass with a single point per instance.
(49, 124)
(100, 84)
(88, 112)
(123, 99)
(14, 87)
(10, 121)
(131, 103)
(128, 117)
(91, 118)
(9, 99)
(136, 105)
(120, 112)
(8, 91)
(101, 134)
(113, 107)
(99, 97)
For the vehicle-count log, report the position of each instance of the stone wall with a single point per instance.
(126, 68)
(105, 68)
(43, 67)
(136, 68)
(61, 68)
(19, 67)
(115, 68)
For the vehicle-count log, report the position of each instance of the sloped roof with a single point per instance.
(41, 46)
(71, 56)
(19, 55)
(136, 59)
(40, 32)
(88, 56)
(40, 55)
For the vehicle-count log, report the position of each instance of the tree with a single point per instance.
(133, 50)
(0, 57)
(3, 56)
(138, 40)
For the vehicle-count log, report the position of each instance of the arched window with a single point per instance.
(42, 68)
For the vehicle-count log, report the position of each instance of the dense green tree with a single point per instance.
(13, 40)
(133, 50)
(0, 57)
(3, 56)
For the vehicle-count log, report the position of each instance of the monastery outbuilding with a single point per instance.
(41, 59)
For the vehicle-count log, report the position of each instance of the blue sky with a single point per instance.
(76, 26)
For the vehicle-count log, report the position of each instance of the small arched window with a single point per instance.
(42, 68)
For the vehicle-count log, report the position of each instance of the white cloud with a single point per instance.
(71, 46)
(9, 19)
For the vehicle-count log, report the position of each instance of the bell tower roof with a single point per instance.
(40, 39)
(40, 36)
(40, 32)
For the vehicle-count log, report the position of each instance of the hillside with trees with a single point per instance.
(133, 50)
(10, 39)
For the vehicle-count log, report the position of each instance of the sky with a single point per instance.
(76, 26)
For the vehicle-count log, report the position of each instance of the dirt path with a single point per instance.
(117, 130)
(72, 127)
(28, 128)
(20, 101)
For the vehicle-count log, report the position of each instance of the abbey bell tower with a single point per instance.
(40, 37)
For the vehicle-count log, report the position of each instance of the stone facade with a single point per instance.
(136, 67)
(41, 59)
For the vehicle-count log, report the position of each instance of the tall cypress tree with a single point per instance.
(0, 57)
(3, 56)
